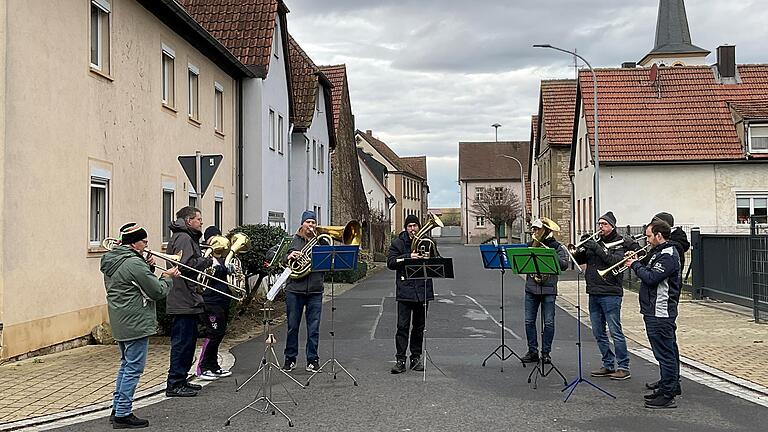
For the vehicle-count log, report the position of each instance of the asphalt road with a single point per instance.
(462, 329)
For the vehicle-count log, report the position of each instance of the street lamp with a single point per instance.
(522, 180)
(594, 90)
(496, 126)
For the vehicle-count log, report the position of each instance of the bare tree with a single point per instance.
(499, 205)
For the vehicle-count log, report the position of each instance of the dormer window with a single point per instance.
(758, 138)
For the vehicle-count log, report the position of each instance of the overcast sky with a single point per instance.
(426, 74)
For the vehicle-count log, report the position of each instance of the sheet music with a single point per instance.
(281, 280)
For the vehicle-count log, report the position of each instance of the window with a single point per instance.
(218, 108)
(758, 139)
(591, 209)
(193, 77)
(580, 154)
(479, 191)
(100, 10)
(498, 194)
(321, 156)
(314, 154)
(169, 88)
(167, 213)
(479, 222)
(751, 205)
(579, 225)
(276, 219)
(586, 152)
(271, 129)
(192, 199)
(218, 212)
(99, 212)
(280, 135)
(275, 43)
(318, 214)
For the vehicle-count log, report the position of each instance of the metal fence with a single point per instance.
(732, 268)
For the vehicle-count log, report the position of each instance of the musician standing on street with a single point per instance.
(605, 296)
(541, 291)
(132, 290)
(185, 303)
(410, 298)
(303, 295)
(659, 296)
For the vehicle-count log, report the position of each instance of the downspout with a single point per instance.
(306, 192)
(290, 150)
(240, 201)
(329, 175)
(571, 174)
(466, 211)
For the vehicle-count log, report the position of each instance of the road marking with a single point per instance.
(491, 316)
(378, 317)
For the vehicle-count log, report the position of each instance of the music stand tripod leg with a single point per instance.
(503, 346)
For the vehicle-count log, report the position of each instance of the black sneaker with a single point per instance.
(129, 422)
(655, 387)
(399, 367)
(313, 366)
(530, 357)
(289, 365)
(651, 396)
(545, 358)
(661, 402)
(180, 391)
(652, 386)
(195, 387)
(112, 416)
(417, 365)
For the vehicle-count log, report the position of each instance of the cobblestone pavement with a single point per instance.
(723, 338)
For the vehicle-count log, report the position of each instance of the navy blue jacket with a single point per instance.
(549, 286)
(659, 282)
(407, 290)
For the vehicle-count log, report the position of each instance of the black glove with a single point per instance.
(591, 245)
(585, 236)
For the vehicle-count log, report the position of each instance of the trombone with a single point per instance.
(619, 267)
(109, 243)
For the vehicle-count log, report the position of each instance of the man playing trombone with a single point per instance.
(605, 294)
(185, 303)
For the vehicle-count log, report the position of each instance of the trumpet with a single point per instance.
(620, 266)
(109, 243)
(573, 248)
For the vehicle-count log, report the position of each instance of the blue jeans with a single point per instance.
(183, 340)
(606, 309)
(661, 335)
(547, 302)
(133, 358)
(294, 306)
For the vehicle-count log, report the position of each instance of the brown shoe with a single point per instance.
(620, 375)
(602, 372)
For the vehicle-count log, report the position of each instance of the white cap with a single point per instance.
(537, 224)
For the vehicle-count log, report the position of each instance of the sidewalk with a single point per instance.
(708, 332)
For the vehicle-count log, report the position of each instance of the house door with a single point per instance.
(502, 231)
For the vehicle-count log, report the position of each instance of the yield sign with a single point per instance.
(200, 169)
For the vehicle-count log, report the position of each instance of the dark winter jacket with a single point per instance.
(132, 290)
(211, 297)
(185, 297)
(309, 284)
(549, 285)
(407, 290)
(659, 282)
(597, 258)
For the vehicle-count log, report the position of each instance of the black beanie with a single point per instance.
(411, 219)
(132, 233)
(610, 218)
(210, 232)
(666, 217)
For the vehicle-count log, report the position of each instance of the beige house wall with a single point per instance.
(3, 101)
(554, 188)
(471, 233)
(63, 121)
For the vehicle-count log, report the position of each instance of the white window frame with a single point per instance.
(103, 51)
(751, 196)
(314, 154)
(168, 77)
(271, 129)
(280, 134)
(218, 211)
(275, 44)
(193, 93)
(321, 156)
(218, 107)
(168, 218)
(95, 234)
(479, 221)
(479, 191)
(758, 131)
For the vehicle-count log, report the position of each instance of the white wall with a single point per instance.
(583, 180)
(374, 191)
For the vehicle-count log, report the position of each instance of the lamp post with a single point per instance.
(596, 184)
(496, 126)
(522, 182)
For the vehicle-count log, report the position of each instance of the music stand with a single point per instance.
(332, 259)
(580, 378)
(538, 261)
(423, 269)
(495, 257)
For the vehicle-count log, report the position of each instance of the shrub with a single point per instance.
(262, 238)
(379, 257)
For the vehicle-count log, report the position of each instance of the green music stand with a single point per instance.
(539, 261)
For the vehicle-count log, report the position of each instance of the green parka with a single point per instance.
(132, 290)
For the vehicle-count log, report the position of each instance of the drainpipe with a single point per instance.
(306, 192)
(290, 150)
(240, 201)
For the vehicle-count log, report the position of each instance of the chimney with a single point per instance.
(726, 61)
(369, 132)
(628, 65)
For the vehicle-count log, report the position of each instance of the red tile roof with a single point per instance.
(752, 111)
(304, 83)
(685, 116)
(558, 107)
(418, 164)
(484, 160)
(390, 155)
(245, 27)
(337, 74)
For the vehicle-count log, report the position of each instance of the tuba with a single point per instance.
(241, 243)
(218, 247)
(349, 234)
(421, 243)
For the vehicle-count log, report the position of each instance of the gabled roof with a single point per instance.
(752, 110)
(484, 160)
(672, 33)
(305, 77)
(557, 106)
(684, 116)
(418, 164)
(337, 75)
(389, 154)
(245, 27)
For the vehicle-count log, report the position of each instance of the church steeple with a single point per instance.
(673, 38)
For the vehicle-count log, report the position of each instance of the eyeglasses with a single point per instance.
(602, 223)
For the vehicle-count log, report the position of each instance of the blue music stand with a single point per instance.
(495, 257)
(332, 259)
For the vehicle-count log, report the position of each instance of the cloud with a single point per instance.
(426, 74)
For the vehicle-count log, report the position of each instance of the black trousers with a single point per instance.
(215, 319)
(183, 338)
(407, 312)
